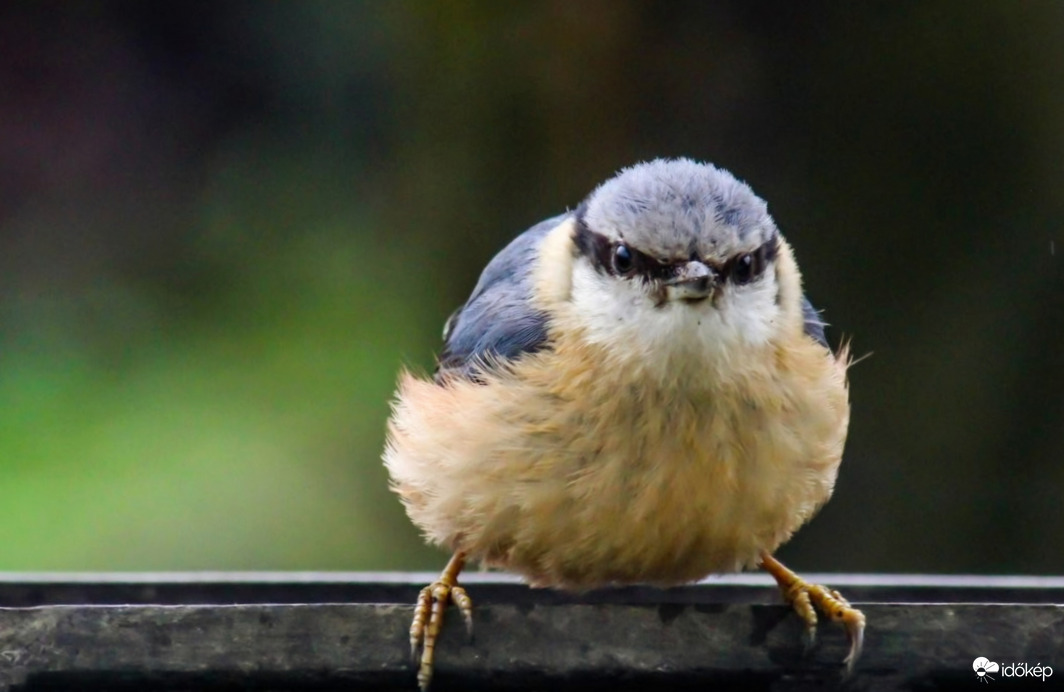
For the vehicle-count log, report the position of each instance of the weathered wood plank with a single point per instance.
(627, 640)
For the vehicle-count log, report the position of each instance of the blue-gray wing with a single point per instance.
(498, 322)
(814, 325)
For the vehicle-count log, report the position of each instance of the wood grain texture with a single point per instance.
(626, 639)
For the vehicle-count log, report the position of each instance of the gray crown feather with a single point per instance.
(676, 208)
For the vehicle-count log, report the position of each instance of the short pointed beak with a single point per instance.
(693, 281)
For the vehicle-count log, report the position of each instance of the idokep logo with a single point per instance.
(983, 668)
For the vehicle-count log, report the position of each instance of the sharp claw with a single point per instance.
(810, 640)
(807, 598)
(465, 605)
(856, 632)
(422, 614)
(429, 614)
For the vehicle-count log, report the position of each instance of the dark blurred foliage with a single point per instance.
(224, 227)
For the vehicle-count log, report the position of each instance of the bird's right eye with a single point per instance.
(622, 259)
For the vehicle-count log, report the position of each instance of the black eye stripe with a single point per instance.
(594, 246)
(646, 266)
(749, 266)
(602, 253)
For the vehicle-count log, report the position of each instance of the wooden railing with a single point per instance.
(304, 631)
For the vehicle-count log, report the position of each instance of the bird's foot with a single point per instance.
(807, 598)
(428, 617)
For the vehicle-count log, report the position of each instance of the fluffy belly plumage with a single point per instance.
(576, 482)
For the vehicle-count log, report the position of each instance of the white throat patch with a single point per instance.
(677, 336)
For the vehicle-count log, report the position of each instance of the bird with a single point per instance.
(637, 391)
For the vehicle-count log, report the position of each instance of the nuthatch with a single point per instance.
(636, 392)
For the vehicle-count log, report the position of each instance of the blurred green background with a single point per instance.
(224, 226)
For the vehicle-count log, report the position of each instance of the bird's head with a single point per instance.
(679, 257)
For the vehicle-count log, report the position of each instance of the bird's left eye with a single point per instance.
(747, 267)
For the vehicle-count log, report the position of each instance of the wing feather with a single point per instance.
(498, 322)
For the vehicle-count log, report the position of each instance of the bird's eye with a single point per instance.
(622, 259)
(747, 267)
